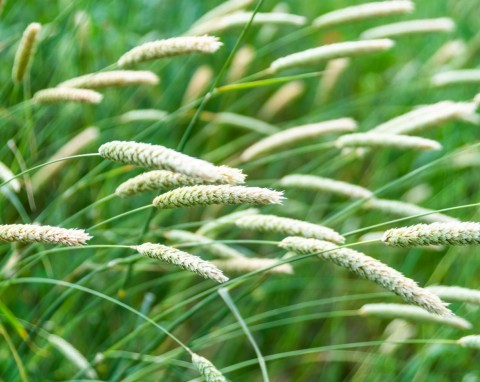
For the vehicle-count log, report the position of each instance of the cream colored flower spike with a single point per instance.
(363, 12)
(155, 180)
(59, 95)
(371, 139)
(170, 47)
(183, 260)
(471, 342)
(114, 78)
(412, 313)
(317, 183)
(160, 157)
(207, 369)
(225, 194)
(287, 226)
(29, 233)
(370, 269)
(461, 233)
(324, 53)
(25, 52)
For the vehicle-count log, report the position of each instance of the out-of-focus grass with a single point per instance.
(312, 310)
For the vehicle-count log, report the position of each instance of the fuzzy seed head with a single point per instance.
(223, 9)
(143, 115)
(287, 226)
(370, 269)
(412, 313)
(373, 139)
(471, 342)
(456, 293)
(183, 260)
(207, 369)
(216, 249)
(461, 233)
(174, 46)
(298, 134)
(160, 157)
(317, 183)
(399, 208)
(29, 233)
(6, 174)
(156, 180)
(25, 52)
(58, 95)
(324, 53)
(244, 122)
(425, 117)
(476, 100)
(212, 228)
(237, 19)
(251, 264)
(404, 28)
(223, 194)
(363, 12)
(113, 78)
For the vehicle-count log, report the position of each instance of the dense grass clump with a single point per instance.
(137, 136)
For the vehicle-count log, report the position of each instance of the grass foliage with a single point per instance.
(101, 312)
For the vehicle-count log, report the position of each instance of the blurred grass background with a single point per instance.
(284, 313)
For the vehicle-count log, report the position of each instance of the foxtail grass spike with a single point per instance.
(287, 226)
(317, 183)
(183, 260)
(239, 19)
(456, 293)
(155, 180)
(216, 249)
(397, 207)
(170, 47)
(451, 77)
(207, 369)
(60, 95)
(461, 233)
(381, 140)
(251, 264)
(25, 52)
(114, 78)
(370, 269)
(160, 157)
(29, 233)
(324, 53)
(363, 12)
(413, 314)
(297, 134)
(410, 27)
(426, 117)
(224, 195)
(471, 342)
(212, 228)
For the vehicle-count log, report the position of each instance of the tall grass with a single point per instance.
(104, 312)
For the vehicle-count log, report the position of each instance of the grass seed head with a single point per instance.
(25, 52)
(160, 157)
(30, 233)
(59, 95)
(370, 269)
(290, 227)
(363, 12)
(207, 369)
(457, 233)
(205, 195)
(170, 47)
(183, 260)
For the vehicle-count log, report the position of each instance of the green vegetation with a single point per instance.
(104, 312)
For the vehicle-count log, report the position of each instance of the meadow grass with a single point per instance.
(103, 311)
